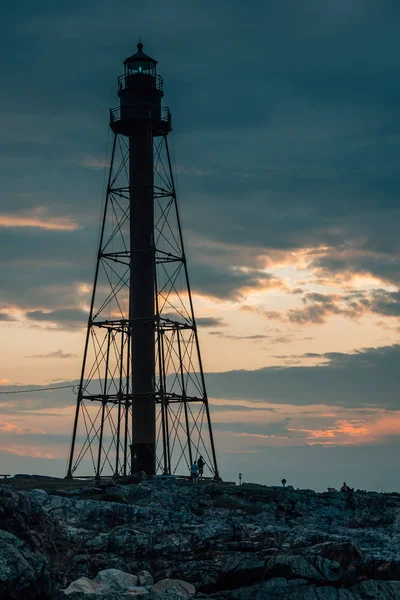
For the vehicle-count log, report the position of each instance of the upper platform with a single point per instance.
(129, 119)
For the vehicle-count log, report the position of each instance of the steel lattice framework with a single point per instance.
(105, 415)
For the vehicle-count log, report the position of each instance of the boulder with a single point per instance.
(23, 571)
(108, 582)
(145, 578)
(137, 592)
(114, 580)
(39, 491)
(83, 585)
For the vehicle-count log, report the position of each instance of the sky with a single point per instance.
(286, 136)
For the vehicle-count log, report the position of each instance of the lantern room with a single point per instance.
(140, 72)
(140, 90)
(140, 63)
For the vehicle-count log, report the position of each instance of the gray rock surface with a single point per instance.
(83, 585)
(114, 580)
(20, 567)
(145, 578)
(226, 541)
(182, 588)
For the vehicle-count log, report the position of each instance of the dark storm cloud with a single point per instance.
(200, 321)
(363, 379)
(289, 119)
(66, 318)
(42, 269)
(228, 282)
(210, 322)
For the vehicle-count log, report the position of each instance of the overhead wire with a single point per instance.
(47, 389)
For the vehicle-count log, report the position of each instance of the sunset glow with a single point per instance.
(289, 208)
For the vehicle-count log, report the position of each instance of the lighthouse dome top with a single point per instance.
(140, 57)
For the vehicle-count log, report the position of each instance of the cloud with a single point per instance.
(255, 337)
(31, 402)
(370, 257)
(29, 451)
(237, 407)
(367, 378)
(275, 429)
(229, 282)
(65, 318)
(282, 340)
(319, 307)
(56, 354)
(334, 193)
(343, 431)
(4, 316)
(7, 427)
(302, 175)
(210, 322)
(95, 162)
(200, 321)
(39, 218)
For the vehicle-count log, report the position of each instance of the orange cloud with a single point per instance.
(342, 432)
(386, 426)
(38, 218)
(28, 451)
(347, 427)
(8, 427)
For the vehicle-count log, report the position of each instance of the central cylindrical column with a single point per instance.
(141, 303)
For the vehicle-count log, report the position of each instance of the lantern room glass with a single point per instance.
(140, 66)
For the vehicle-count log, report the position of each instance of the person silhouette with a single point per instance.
(200, 463)
(194, 471)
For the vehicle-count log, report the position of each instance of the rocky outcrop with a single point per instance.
(164, 538)
(21, 568)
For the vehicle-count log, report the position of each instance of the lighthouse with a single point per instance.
(142, 403)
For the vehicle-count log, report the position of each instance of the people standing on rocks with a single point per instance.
(349, 495)
(194, 471)
(200, 463)
(346, 488)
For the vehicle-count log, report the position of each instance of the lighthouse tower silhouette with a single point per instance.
(142, 403)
